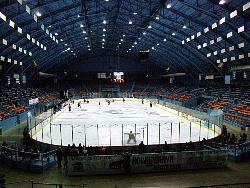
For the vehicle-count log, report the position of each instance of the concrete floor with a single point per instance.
(235, 173)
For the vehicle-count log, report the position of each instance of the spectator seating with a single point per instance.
(15, 109)
(218, 104)
(183, 98)
(46, 99)
(4, 115)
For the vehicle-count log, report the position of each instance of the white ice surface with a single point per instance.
(101, 125)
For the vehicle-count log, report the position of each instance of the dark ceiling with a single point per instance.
(188, 34)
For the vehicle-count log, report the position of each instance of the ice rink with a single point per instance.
(95, 124)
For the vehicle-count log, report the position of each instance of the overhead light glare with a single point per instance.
(38, 14)
(222, 2)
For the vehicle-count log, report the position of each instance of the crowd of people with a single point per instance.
(74, 151)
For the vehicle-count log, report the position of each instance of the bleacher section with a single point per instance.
(234, 102)
(4, 115)
(15, 104)
(239, 115)
(15, 109)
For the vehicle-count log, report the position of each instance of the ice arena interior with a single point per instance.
(124, 93)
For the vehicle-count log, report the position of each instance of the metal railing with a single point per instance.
(233, 185)
(22, 156)
(33, 184)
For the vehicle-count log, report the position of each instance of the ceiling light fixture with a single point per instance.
(38, 14)
(222, 2)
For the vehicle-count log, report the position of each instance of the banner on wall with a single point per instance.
(24, 79)
(33, 101)
(148, 162)
(227, 79)
(98, 164)
(178, 161)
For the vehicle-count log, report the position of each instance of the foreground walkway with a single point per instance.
(235, 173)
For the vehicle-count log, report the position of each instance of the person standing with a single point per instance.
(59, 156)
(66, 154)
